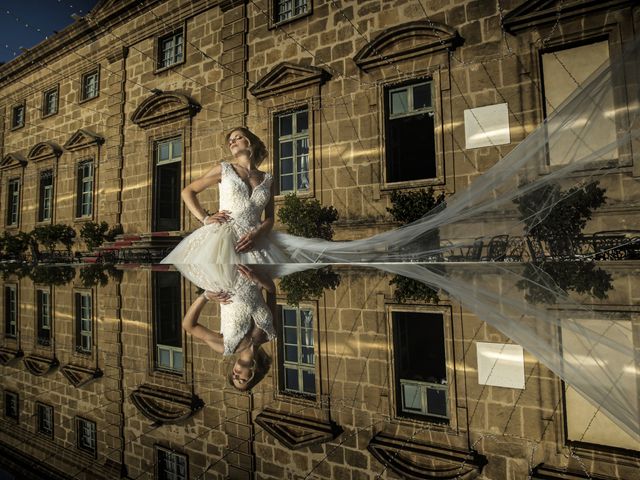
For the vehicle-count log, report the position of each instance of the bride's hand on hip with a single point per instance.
(245, 242)
(220, 217)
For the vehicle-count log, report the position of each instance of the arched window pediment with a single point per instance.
(12, 160)
(165, 406)
(39, 366)
(412, 459)
(164, 107)
(80, 376)
(44, 151)
(82, 139)
(288, 76)
(296, 432)
(409, 40)
(7, 355)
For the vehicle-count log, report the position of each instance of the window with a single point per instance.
(86, 435)
(11, 405)
(84, 322)
(292, 139)
(171, 49)
(10, 311)
(13, 202)
(17, 116)
(167, 322)
(420, 365)
(171, 465)
(288, 9)
(84, 197)
(45, 204)
(43, 312)
(410, 132)
(50, 102)
(90, 85)
(167, 185)
(45, 419)
(298, 351)
(563, 71)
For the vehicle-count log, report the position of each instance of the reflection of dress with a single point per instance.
(214, 243)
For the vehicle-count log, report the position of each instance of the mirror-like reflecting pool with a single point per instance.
(332, 372)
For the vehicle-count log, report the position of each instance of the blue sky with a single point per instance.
(25, 23)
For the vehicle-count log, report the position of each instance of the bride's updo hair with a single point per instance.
(256, 146)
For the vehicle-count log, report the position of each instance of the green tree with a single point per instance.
(558, 217)
(16, 245)
(308, 284)
(407, 207)
(93, 234)
(307, 218)
(50, 235)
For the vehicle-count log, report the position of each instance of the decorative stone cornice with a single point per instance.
(549, 472)
(80, 376)
(83, 139)
(416, 460)
(406, 41)
(12, 160)
(9, 354)
(165, 406)
(288, 76)
(39, 366)
(535, 13)
(164, 107)
(296, 432)
(44, 151)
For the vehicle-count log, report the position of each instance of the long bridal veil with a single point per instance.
(582, 341)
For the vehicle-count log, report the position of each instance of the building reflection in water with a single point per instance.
(370, 377)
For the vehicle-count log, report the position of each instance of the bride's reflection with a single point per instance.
(246, 321)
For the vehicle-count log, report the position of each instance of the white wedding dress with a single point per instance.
(214, 243)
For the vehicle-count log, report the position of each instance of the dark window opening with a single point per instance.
(43, 310)
(13, 202)
(420, 366)
(17, 116)
(171, 49)
(410, 133)
(298, 365)
(45, 419)
(86, 435)
(167, 322)
(84, 322)
(90, 85)
(84, 189)
(45, 204)
(11, 406)
(171, 465)
(168, 184)
(50, 102)
(10, 311)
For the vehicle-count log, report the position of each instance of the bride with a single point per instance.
(237, 233)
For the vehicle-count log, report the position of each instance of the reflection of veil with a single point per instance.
(593, 352)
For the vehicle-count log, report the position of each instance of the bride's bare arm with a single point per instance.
(190, 198)
(191, 325)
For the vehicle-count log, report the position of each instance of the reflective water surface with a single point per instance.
(333, 372)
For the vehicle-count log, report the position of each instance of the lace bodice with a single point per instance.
(246, 207)
(247, 302)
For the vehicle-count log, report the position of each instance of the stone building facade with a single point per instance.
(110, 118)
(143, 398)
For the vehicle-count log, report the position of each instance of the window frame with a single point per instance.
(301, 367)
(273, 13)
(293, 138)
(39, 423)
(80, 192)
(40, 324)
(156, 366)
(83, 97)
(80, 322)
(11, 324)
(395, 403)
(53, 90)
(158, 46)
(42, 198)
(434, 76)
(83, 422)
(13, 202)
(14, 109)
(16, 397)
(159, 450)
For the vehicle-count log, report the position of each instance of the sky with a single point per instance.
(25, 23)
